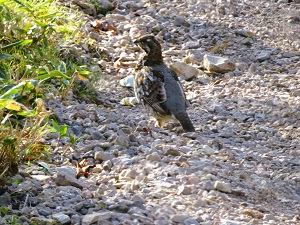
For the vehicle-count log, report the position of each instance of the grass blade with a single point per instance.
(6, 56)
(23, 42)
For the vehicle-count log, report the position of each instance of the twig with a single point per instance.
(26, 200)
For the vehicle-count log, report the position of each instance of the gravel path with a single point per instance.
(241, 166)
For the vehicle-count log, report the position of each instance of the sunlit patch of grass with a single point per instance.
(31, 33)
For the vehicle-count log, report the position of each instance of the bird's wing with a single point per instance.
(149, 87)
(174, 75)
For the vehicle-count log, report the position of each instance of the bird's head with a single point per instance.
(149, 44)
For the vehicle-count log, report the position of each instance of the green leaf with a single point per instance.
(20, 3)
(7, 87)
(66, 82)
(40, 23)
(9, 141)
(50, 15)
(84, 72)
(63, 130)
(2, 74)
(26, 113)
(6, 56)
(23, 42)
(13, 90)
(45, 41)
(62, 67)
(54, 73)
(28, 86)
(55, 127)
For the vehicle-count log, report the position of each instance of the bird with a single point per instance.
(157, 86)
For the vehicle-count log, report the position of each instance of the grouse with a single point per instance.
(158, 87)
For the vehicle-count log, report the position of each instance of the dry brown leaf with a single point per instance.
(80, 77)
(220, 81)
(103, 26)
(82, 168)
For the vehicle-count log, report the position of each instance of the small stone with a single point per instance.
(167, 37)
(76, 219)
(263, 55)
(96, 135)
(127, 81)
(183, 190)
(253, 213)
(179, 218)
(107, 165)
(40, 220)
(129, 101)
(180, 21)
(191, 45)
(190, 221)
(131, 173)
(269, 217)
(218, 64)
(295, 93)
(208, 150)
(247, 41)
(153, 157)
(221, 186)
(95, 217)
(184, 70)
(230, 222)
(105, 145)
(260, 116)
(122, 140)
(193, 180)
(27, 186)
(61, 218)
(102, 156)
(244, 33)
(172, 152)
(44, 212)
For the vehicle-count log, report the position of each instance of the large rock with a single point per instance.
(184, 70)
(97, 217)
(263, 55)
(66, 176)
(218, 64)
(61, 218)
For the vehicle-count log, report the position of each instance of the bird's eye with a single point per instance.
(148, 40)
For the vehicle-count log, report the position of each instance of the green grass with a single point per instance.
(31, 35)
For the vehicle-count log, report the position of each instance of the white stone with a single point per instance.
(184, 70)
(218, 64)
(224, 187)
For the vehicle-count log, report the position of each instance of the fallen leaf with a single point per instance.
(13, 106)
(220, 81)
(83, 169)
(103, 26)
(80, 77)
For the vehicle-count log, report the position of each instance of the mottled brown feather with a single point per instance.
(158, 87)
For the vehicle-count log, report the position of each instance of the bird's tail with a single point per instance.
(185, 121)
